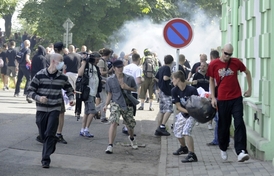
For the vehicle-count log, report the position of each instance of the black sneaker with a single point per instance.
(181, 150)
(104, 120)
(141, 108)
(191, 157)
(39, 139)
(45, 165)
(147, 100)
(124, 130)
(61, 139)
(29, 100)
(161, 132)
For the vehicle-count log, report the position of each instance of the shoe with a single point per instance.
(147, 100)
(87, 134)
(7, 88)
(171, 126)
(141, 108)
(161, 132)
(197, 123)
(133, 143)
(45, 165)
(97, 115)
(181, 151)
(209, 126)
(29, 100)
(243, 156)
(104, 120)
(224, 155)
(151, 109)
(4, 88)
(61, 139)
(109, 149)
(81, 134)
(191, 157)
(38, 138)
(211, 144)
(16, 95)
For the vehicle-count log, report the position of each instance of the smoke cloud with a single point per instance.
(141, 34)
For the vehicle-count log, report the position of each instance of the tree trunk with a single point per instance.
(7, 19)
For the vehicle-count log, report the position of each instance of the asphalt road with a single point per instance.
(20, 153)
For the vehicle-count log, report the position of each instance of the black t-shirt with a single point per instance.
(73, 62)
(195, 67)
(22, 61)
(11, 55)
(183, 70)
(182, 96)
(202, 81)
(165, 86)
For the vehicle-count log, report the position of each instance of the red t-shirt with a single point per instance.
(229, 88)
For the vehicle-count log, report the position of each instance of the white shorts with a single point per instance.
(183, 126)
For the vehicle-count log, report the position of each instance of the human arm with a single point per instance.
(212, 90)
(249, 82)
(28, 57)
(82, 68)
(180, 108)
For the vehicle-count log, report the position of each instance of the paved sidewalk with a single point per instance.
(209, 159)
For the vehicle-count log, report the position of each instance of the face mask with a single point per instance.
(60, 66)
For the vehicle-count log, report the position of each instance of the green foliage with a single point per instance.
(7, 8)
(95, 20)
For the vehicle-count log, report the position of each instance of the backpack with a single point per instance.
(1, 63)
(149, 67)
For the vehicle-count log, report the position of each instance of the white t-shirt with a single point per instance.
(134, 71)
(93, 80)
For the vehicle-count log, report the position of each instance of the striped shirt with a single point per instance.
(44, 85)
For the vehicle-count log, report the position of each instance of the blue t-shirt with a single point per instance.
(183, 96)
(165, 86)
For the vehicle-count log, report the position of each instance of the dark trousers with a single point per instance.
(47, 123)
(227, 109)
(23, 71)
(135, 95)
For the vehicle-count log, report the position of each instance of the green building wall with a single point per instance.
(248, 25)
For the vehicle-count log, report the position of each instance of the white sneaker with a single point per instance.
(133, 143)
(243, 156)
(109, 149)
(197, 123)
(224, 155)
(209, 126)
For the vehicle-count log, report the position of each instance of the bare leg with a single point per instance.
(61, 123)
(112, 132)
(190, 143)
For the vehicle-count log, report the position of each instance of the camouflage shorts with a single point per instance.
(116, 111)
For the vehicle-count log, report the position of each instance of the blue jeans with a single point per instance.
(215, 140)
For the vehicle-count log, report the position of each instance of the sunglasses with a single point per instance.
(228, 54)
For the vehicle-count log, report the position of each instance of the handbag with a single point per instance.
(216, 87)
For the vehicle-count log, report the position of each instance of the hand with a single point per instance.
(124, 86)
(194, 82)
(247, 93)
(214, 102)
(72, 103)
(43, 99)
(105, 108)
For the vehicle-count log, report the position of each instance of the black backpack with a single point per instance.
(149, 67)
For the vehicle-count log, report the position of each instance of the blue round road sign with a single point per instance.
(178, 33)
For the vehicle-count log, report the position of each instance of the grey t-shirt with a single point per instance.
(113, 86)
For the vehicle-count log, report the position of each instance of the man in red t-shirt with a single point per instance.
(230, 100)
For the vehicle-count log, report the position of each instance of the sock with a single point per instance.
(111, 145)
(86, 129)
(150, 104)
(82, 130)
(142, 104)
(162, 126)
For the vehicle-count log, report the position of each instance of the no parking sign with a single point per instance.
(178, 34)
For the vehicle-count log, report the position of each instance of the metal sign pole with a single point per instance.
(177, 59)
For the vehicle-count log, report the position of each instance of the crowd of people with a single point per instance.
(118, 83)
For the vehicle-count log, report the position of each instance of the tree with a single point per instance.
(7, 8)
(94, 20)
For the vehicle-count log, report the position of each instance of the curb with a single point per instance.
(163, 157)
